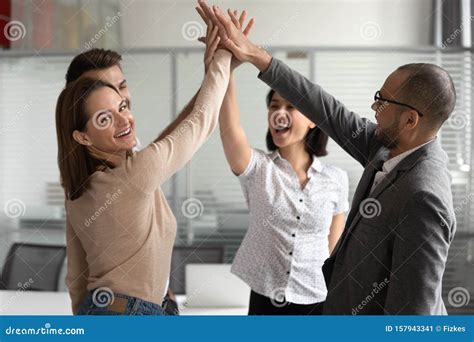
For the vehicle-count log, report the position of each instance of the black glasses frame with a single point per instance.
(377, 97)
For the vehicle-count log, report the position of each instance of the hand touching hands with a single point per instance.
(213, 25)
(232, 37)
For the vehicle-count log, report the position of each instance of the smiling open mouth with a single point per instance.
(124, 133)
(282, 130)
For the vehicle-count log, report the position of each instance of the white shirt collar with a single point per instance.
(316, 164)
(390, 164)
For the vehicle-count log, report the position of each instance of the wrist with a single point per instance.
(260, 58)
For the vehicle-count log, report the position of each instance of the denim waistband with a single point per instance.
(103, 301)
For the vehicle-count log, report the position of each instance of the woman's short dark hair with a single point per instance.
(93, 59)
(316, 140)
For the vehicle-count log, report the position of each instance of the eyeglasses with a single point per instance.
(378, 98)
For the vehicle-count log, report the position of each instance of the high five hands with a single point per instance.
(231, 36)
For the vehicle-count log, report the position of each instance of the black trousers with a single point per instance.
(261, 305)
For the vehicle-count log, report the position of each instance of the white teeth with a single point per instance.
(123, 133)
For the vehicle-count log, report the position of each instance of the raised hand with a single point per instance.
(210, 19)
(212, 43)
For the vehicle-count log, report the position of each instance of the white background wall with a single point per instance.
(282, 22)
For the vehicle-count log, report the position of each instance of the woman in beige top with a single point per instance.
(120, 229)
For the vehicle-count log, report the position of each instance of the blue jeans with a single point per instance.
(120, 305)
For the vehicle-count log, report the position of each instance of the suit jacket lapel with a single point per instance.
(362, 192)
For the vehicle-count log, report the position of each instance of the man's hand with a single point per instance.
(206, 14)
(235, 40)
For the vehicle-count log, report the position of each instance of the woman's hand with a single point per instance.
(212, 42)
(206, 14)
(235, 40)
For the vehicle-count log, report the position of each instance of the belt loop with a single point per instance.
(136, 305)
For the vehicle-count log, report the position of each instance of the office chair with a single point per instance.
(40, 263)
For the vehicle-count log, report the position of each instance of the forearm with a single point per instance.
(177, 148)
(183, 115)
(234, 141)
(346, 128)
(260, 58)
(229, 117)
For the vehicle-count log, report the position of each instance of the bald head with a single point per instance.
(430, 89)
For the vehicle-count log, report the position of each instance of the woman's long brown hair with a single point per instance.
(76, 164)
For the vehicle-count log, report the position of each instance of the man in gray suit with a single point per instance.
(392, 254)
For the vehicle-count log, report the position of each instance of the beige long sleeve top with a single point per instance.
(121, 231)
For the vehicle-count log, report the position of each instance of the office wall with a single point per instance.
(285, 22)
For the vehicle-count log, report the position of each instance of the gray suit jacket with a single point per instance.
(392, 254)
